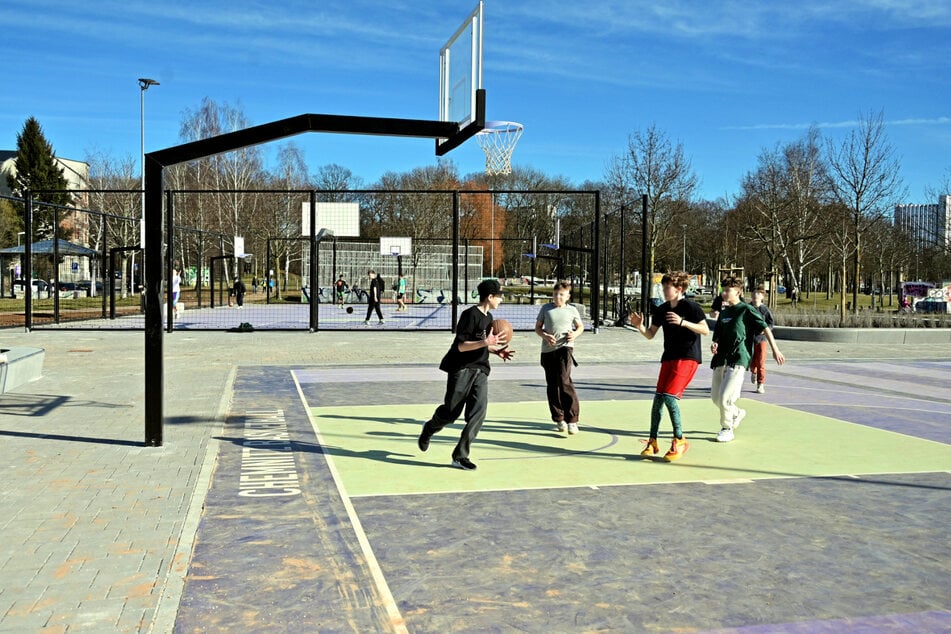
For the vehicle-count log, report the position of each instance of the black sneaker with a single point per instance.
(423, 440)
(463, 463)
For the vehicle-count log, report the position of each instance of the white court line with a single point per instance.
(389, 603)
(860, 406)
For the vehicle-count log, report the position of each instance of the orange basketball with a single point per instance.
(503, 327)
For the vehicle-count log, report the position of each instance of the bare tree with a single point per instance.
(336, 178)
(865, 181)
(654, 166)
(118, 223)
(783, 198)
(282, 219)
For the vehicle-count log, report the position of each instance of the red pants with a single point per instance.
(675, 376)
(758, 363)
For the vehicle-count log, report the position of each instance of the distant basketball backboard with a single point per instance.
(396, 246)
(341, 218)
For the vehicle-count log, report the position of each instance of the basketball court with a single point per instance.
(826, 514)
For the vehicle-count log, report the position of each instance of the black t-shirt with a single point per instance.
(377, 283)
(473, 326)
(679, 342)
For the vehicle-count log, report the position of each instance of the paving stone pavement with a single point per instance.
(98, 529)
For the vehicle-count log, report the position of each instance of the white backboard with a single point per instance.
(341, 218)
(460, 71)
(396, 246)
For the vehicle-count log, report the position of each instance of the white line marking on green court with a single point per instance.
(389, 603)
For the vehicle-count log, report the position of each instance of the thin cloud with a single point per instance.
(837, 124)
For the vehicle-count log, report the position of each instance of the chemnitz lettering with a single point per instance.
(267, 459)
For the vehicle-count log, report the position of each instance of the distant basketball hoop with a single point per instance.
(498, 140)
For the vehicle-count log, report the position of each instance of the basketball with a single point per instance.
(349, 310)
(503, 327)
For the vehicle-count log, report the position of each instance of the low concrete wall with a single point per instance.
(23, 365)
(894, 336)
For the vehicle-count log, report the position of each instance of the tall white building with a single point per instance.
(927, 225)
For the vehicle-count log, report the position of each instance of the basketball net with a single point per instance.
(498, 140)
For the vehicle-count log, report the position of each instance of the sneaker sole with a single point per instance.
(459, 465)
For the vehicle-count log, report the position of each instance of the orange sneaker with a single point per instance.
(677, 448)
(651, 449)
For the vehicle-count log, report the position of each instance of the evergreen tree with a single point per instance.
(36, 170)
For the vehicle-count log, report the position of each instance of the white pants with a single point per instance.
(725, 392)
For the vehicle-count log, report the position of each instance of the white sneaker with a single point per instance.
(761, 388)
(572, 428)
(561, 426)
(725, 435)
(740, 415)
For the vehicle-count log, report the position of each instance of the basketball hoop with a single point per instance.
(498, 140)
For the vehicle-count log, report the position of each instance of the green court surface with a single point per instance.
(373, 448)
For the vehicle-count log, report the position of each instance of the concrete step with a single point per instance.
(21, 365)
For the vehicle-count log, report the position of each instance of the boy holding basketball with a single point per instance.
(684, 322)
(559, 325)
(467, 364)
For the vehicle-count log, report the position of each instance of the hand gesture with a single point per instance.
(550, 338)
(506, 354)
(494, 341)
(636, 319)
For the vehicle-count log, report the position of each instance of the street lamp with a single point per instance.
(144, 84)
(684, 269)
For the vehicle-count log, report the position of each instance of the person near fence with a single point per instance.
(401, 293)
(683, 322)
(239, 290)
(340, 289)
(374, 295)
(732, 350)
(176, 287)
(559, 325)
(467, 366)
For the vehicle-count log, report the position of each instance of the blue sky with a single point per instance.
(727, 79)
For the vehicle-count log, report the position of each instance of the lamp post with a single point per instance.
(685, 248)
(144, 83)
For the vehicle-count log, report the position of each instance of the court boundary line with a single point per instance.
(376, 572)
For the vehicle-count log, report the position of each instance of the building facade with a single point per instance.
(926, 224)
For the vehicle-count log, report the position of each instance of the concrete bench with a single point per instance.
(22, 365)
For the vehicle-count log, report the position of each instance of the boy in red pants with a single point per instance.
(684, 322)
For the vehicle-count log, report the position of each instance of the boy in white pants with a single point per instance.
(732, 350)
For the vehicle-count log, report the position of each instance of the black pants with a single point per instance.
(562, 398)
(466, 388)
(370, 306)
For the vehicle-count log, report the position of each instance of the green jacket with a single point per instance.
(734, 333)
